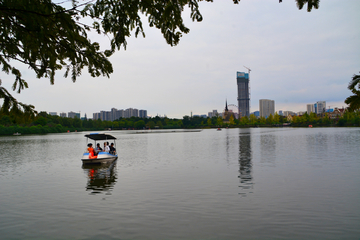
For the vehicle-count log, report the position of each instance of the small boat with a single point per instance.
(219, 129)
(17, 134)
(100, 157)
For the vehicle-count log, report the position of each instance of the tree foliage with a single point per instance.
(310, 4)
(44, 123)
(354, 100)
(12, 106)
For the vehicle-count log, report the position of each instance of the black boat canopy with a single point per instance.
(100, 136)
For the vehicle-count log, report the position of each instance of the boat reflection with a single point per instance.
(101, 178)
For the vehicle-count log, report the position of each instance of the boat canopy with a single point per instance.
(99, 136)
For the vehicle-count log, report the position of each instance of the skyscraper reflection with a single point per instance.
(245, 163)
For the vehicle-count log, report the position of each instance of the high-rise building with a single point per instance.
(310, 108)
(96, 116)
(119, 114)
(113, 114)
(135, 113)
(243, 93)
(143, 113)
(53, 113)
(128, 113)
(73, 115)
(267, 107)
(215, 113)
(116, 114)
(131, 112)
(62, 114)
(103, 115)
(321, 107)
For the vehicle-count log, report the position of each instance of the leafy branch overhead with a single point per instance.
(48, 36)
(12, 106)
(354, 100)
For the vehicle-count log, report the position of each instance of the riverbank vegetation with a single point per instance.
(45, 123)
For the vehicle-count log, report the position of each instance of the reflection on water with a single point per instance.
(245, 164)
(268, 149)
(185, 186)
(101, 178)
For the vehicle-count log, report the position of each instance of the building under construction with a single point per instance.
(243, 94)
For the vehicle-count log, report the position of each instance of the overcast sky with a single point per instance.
(296, 58)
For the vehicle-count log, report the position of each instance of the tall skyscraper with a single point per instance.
(267, 107)
(243, 93)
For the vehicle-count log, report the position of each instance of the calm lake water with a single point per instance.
(261, 183)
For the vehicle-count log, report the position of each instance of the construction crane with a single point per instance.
(247, 69)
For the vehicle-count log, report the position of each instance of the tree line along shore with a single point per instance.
(45, 123)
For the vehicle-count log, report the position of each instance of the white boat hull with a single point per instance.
(102, 157)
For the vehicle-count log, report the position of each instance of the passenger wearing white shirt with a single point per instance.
(106, 147)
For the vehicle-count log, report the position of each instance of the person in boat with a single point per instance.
(106, 147)
(98, 148)
(91, 151)
(112, 149)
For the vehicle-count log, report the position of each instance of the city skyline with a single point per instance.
(296, 57)
(266, 107)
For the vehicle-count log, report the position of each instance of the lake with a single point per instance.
(253, 183)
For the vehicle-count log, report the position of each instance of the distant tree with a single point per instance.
(150, 124)
(296, 119)
(77, 123)
(40, 120)
(88, 123)
(159, 124)
(276, 118)
(186, 121)
(139, 124)
(232, 120)
(270, 119)
(219, 121)
(5, 120)
(244, 120)
(354, 100)
(305, 118)
(313, 118)
(326, 119)
(262, 120)
(253, 119)
(209, 122)
(179, 123)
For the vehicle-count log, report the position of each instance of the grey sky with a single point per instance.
(296, 58)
